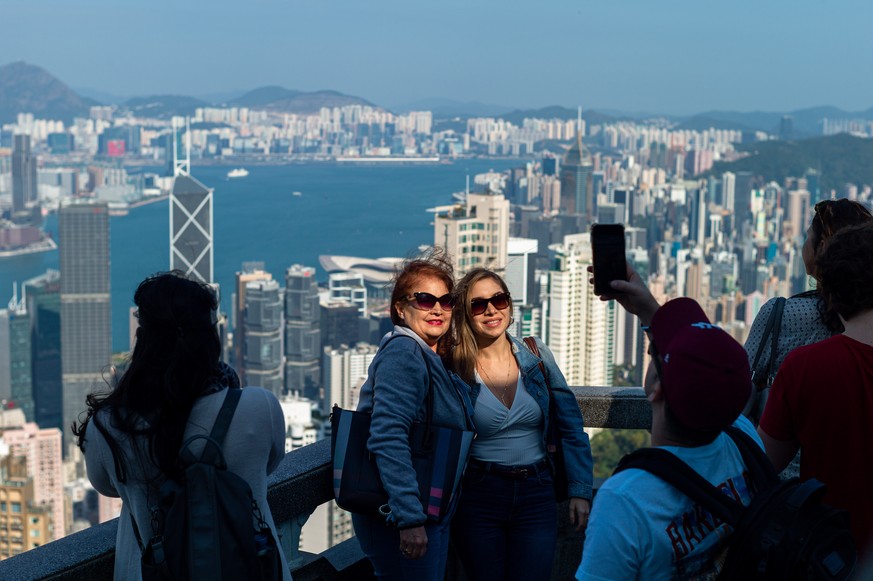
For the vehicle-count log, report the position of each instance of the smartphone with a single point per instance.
(607, 246)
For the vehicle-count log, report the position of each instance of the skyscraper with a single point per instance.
(44, 307)
(24, 182)
(576, 175)
(86, 322)
(262, 352)
(191, 228)
(251, 271)
(475, 233)
(580, 328)
(302, 332)
(16, 386)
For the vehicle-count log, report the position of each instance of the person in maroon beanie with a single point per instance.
(698, 384)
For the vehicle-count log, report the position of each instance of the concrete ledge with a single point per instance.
(614, 407)
(88, 554)
(302, 481)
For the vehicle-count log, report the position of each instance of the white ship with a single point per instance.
(239, 172)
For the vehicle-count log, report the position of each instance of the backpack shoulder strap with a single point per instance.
(672, 470)
(225, 415)
(219, 428)
(760, 468)
(771, 332)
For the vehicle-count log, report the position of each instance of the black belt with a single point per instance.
(510, 472)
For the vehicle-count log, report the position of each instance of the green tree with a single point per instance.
(609, 446)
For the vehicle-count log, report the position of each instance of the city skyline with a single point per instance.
(636, 56)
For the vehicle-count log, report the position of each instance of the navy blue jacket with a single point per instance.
(395, 393)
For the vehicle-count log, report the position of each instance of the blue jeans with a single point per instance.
(381, 544)
(504, 528)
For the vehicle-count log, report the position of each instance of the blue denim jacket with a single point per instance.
(395, 393)
(577, 451)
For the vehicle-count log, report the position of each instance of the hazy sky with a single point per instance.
(670, 56)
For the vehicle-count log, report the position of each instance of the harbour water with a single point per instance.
(369, 211)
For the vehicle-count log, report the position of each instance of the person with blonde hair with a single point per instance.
(506, 526)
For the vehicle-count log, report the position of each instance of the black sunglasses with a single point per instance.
(426, 301)
(499, 301)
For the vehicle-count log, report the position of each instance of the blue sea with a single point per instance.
(368, 211)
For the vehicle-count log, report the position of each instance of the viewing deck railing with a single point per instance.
(302, 482)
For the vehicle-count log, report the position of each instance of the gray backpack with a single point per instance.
(203, 527)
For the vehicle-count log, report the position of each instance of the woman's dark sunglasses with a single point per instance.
(499, 301)
(426, 301)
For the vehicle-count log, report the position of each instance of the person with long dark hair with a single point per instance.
(506, 526)
(171, 390)
(822, 398)
(806, 319)
(402, 543)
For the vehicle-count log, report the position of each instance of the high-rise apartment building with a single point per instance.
(344, 371)
(191, 228)
(302, 332)
(24, 180)
(580, 328)
(262, 352)
(474, 233)
(43, 296)
(86, 318)
(251, 272)
(41, 448)
(24, 525)
(798, 215)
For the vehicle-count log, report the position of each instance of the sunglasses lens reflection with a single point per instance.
(499, 302)
(426, 301)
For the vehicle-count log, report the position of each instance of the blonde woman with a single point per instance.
(506, 524)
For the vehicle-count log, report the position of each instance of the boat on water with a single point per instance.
(239, 172)
(296, 194)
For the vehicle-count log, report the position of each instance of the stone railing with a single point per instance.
(302, 482)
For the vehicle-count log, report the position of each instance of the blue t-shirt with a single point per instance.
(642, 528)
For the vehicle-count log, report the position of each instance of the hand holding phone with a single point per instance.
(607, 246)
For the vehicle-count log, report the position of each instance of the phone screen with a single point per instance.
(607, 245)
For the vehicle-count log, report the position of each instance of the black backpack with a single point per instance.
(204, 526)
(785, 532)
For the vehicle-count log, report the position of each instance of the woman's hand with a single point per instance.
(413, 542)
(580, 508)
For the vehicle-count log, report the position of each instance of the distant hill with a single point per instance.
(702, 123)
(806, 122)
(451, 109)
(163, 106)
(283, 100)
(26, 88)
(841, 159)
(264, 96)
(556, 112)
